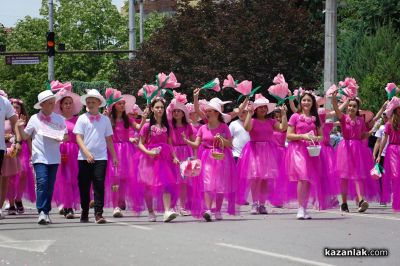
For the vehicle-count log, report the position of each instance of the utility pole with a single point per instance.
(51, 29)
(330, 58)
(132, 31)
(141, 10)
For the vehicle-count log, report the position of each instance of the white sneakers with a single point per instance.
(1, 214)
(42, 218)
(169, 216)
(48, 220)
(207, 216)
(302, 214)
(218, 216)
(117, 213)
(152, 217)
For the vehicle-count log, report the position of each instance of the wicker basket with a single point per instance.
(218, 155)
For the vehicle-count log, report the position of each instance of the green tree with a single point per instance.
(252, 40)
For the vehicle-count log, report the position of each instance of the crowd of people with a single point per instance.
(188, 159)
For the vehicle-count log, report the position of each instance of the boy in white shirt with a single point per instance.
(239, 134)
(93, 135)
(47, 129)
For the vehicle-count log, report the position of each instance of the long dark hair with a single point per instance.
(313, 110)
(23, 109)
(184, 121)
(395, 119)
(113, 117)
(164, 120)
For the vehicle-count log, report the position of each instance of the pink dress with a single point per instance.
(29, 192)
(155, 175)
(120, 177)
(11, 166)
(356, 160)
(260, 158)
(278, 198)
(391, 178)
(217, 176)
(66, 191)
(328, 156)
(301, 166)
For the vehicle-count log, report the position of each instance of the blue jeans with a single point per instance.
(45, 179)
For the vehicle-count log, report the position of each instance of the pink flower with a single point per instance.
(390, 87)
(171, 83)
(229, 82)
(279, 79)
(217, 86)
(180, 97)
(244, 87)
(148, 88)
(190, 107)
(57, 86)
(331, 90)
(298, 92)
(349, 86)
(281, 90)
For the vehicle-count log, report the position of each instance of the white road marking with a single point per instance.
(365, 215)
(28, 245)
(275, 255)
(134, 226)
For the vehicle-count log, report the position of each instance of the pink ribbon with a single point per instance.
(45, 118)
(93, 118)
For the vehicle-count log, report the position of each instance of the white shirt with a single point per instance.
(45, 150)
(6, 112)
(379, 134)
(94, 135)
(239, 137)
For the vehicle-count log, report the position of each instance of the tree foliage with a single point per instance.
(252, 40)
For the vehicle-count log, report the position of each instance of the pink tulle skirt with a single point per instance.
(259, 161)
(354, 163)
(154, 177)
(391, 178)
(29, 192)
(120, 177)
(303, 167)
(66, 190)
(216, 177)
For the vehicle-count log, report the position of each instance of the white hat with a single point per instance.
(217, 107)
(93, 94)
(219, 101)
(262, 101)
(42, 97)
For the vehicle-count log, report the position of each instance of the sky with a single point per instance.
(13, 10)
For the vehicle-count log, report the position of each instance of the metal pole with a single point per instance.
(51, 28)
(132, 32)
(330, 58)
(141, 9)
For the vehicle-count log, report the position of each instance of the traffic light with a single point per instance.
(51, 45)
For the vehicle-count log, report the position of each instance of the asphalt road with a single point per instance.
(275, 239)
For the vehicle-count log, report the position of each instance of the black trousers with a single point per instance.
(92, 173)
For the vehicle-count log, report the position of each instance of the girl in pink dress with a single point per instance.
(218, 178)
(391, 178)
(24, 185)
(120, 179)
(66, 191)
(356, 159)
(156, 172)
(178, 116)
(259, 164)
(305, 128)
(10, 169)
